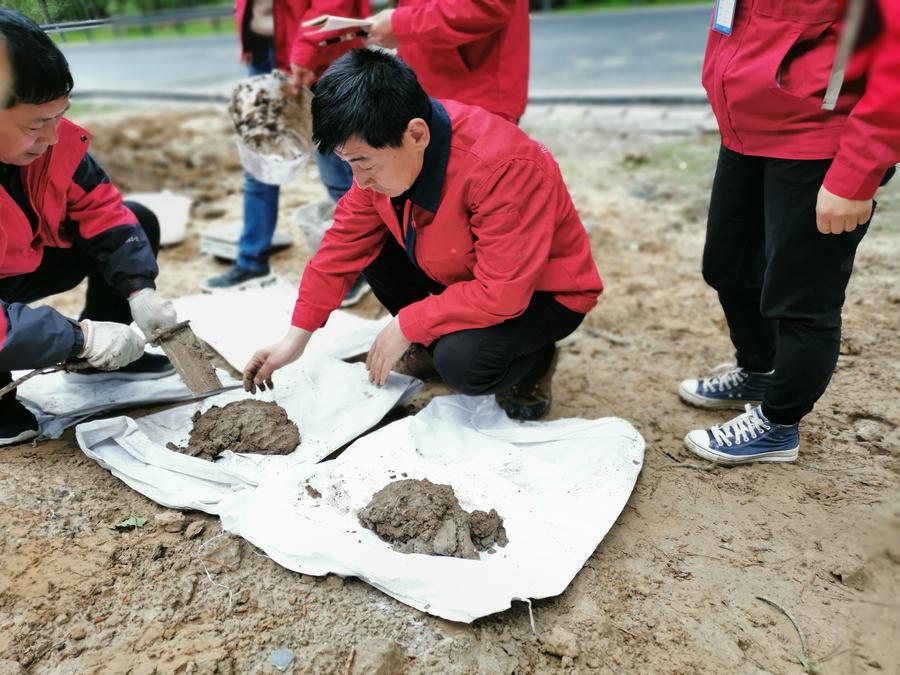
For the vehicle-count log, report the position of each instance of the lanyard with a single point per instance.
(409, 233)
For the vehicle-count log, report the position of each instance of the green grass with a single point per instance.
(106, 33)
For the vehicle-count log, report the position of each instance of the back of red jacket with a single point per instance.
(472, 51)
(766, 82)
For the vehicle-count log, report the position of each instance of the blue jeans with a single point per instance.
(260, 203)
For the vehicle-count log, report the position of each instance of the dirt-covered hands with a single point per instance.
(381, 32)
(835, 215)
(151, 312)
(389, 346)
(259, 369)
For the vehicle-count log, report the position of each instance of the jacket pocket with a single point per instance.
(803, 11)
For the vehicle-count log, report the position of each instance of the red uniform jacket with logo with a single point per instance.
(472, 51)
(494, 223)
(766, 82)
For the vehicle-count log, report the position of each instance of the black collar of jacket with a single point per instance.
(427, 190)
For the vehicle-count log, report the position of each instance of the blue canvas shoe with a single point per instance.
(728, 386)
(749, 437)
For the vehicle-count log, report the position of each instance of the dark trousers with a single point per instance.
(479, 360)
(780, 281)
(62, 269)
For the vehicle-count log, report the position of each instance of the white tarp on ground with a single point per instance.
(332, 403)
(237, 323)
(559, 487)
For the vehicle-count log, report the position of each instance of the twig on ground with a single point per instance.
(805, 661)
(349, 667)
(695, 467)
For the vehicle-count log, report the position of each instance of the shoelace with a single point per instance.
(741, 429)
(731, 377)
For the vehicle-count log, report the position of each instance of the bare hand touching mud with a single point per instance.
(259, 369)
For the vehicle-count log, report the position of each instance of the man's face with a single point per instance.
(389, 171)
(26, 130)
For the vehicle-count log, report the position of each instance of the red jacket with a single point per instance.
(766, 82)
(292, 42)
(494, 223)
(473, 51)
(73, 201)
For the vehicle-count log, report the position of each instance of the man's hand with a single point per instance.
(387, 349)
(151, 312)
(259, 369)
(301, 77)
(246, 58)
(381, 32)
(835, 215)
(110, 346)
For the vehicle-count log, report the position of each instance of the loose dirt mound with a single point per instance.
(418, 516)
(258, 427)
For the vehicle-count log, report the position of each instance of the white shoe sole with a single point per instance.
(352, 299)
(26, 435)
(256, 282)
(732, 460)
(698, 401)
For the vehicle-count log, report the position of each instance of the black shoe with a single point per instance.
(530, 399)
(148, 367)
(356, 293)
(17, 423)
(238, 279)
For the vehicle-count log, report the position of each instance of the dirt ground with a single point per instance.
(676, 585)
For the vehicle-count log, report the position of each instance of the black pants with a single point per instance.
(62, 269)
(479, 360)
(780, 281)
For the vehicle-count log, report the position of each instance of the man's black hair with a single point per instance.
(368, 94)
(40, 72)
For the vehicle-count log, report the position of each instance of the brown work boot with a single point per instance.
(531, 398)
(417, 362)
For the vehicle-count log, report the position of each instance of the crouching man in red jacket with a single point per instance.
(791, 201)
(62, 221)
(464, 229)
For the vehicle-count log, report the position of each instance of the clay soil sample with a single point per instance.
(270, 118)
(418, 516)
(242, 426)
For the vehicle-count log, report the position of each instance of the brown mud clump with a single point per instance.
(418, 516)
(270, 118)
(242, 426)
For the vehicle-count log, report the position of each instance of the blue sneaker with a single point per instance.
(749, 437)
(728, 386)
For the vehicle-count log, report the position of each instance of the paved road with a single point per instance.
(649, 50)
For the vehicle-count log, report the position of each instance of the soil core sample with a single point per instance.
(241, 426)
(270, 118)
(418, 516)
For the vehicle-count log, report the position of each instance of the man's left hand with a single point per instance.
(835, 215)
(387, 349)
(381, 32)
(151, 312)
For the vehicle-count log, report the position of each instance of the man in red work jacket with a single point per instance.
(791, 201)
(463, 227)
(61, 220)
(472, 51)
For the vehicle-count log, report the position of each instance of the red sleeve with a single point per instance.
(450, 23)
(870, 141)
(512, 246)
(307, 52)
(349, 245)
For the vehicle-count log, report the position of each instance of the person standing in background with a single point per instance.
(807, 98)
(471, 51)
(271, 37)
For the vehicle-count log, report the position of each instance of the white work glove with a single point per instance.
(110, 346)
(151, 312)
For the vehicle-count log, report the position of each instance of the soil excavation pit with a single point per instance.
(418, 516)
(242, 426)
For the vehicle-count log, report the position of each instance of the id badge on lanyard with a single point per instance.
(723, 18)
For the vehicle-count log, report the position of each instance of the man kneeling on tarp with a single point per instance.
(61, 221)
(464, 229)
